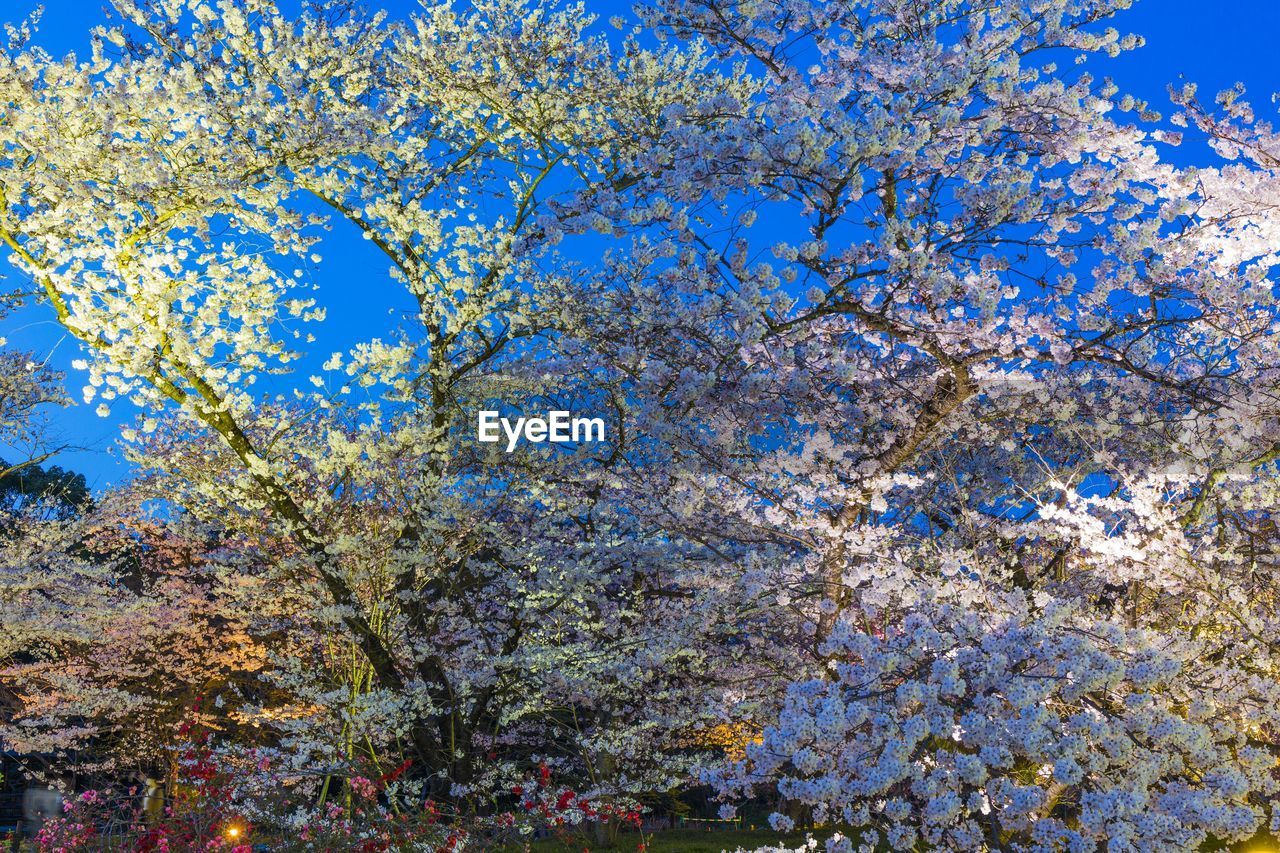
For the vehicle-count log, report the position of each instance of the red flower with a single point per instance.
(387, 778)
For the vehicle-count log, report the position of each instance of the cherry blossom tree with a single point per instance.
(941, 424)
(993, 388)
(446, 606)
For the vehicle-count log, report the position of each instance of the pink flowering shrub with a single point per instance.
(200, 814)
(228, 801)
(201, 820)
(561, 809)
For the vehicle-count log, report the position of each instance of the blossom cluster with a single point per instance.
(975, 728)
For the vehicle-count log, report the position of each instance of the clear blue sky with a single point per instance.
(1214, 44)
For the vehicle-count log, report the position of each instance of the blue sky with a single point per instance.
(1214, 44)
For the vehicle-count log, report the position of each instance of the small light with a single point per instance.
(233, 832)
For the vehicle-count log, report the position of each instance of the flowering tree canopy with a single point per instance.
(941, 438)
